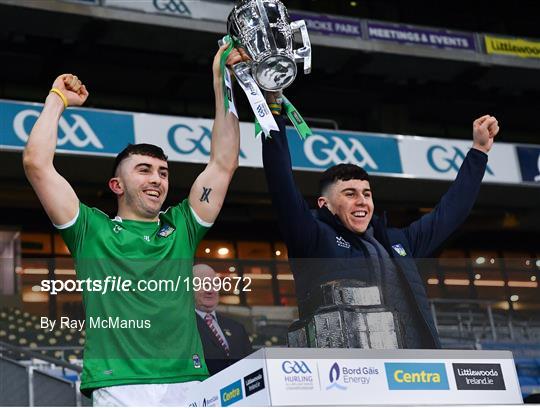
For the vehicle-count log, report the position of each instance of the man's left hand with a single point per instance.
(484, 131)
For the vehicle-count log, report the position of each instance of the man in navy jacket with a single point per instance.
(344, 239)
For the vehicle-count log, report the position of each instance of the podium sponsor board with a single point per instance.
(311, 377)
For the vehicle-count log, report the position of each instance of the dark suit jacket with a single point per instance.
(214, 355)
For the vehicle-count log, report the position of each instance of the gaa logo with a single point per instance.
(172, 6)
(323, 151)
(184, 139)
(295, 367)
(261, 110)
(443, 160)
(76, 130)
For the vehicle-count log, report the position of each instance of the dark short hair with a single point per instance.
(144, 149)
(342, 172)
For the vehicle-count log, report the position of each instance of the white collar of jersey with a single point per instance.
(119, 219)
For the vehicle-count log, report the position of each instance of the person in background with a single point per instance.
(224, 340)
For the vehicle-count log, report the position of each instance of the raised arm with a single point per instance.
(295, 219)
(208, 192)
(54, 192)
(430, 231)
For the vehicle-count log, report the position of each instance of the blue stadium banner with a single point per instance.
(529, 163)
(85, 131)
(199, 9)
(376, 153)
(187, 140)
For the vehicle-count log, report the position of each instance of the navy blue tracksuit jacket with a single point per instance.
(320, 235)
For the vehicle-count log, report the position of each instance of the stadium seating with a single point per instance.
(268, 328)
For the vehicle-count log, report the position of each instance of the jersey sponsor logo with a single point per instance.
(342, 243)
(323, 151)
(184, 139)
(399, 249)
(444, 160)
(74, 130)
(117, 228)
(146, 238)
(165, 231)
(196, 361)
(173, 7)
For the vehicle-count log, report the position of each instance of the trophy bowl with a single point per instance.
(264, 29)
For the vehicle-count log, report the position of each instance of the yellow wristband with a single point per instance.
(275, 108)
(61, 95)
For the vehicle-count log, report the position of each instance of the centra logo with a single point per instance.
(416, 376)
(231, 393)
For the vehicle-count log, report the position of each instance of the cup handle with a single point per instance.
(302, 54)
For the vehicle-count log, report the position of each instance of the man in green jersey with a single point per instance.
(139, 350)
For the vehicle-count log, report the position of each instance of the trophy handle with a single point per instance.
(302, 54)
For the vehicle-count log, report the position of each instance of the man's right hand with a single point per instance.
(72, 88)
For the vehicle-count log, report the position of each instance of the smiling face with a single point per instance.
(141, 185)
(352, 202)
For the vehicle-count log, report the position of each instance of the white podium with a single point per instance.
(302, 377)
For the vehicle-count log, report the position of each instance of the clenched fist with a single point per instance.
(484, 131)
(237, 55)
(72, 88)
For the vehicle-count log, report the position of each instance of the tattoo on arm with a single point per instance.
(205, 195)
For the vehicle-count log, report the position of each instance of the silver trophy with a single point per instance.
(264, 29)
(345, 314)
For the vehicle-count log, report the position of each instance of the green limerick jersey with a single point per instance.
(144, 332)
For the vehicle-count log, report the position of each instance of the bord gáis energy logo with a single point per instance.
(340, 377)
(416, 376)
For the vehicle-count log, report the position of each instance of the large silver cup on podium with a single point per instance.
(345, 314)
(264, 29)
